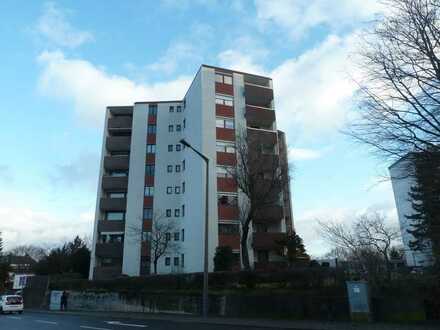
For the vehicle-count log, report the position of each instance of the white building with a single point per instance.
(145, 171)
(402, 180)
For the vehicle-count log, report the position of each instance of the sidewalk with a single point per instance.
(252, 323)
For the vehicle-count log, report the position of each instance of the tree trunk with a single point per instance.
(244, 248)
(155, 265)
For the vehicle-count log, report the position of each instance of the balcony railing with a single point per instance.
(269, 215)
(114, 183)
(258, 95)
(116, 162)
(111, 226)
(120, 122)
(259, 116)
(113, 204)
(118, 143)
(109, 250)
(267, 241)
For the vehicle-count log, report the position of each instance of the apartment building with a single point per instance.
(147, 173)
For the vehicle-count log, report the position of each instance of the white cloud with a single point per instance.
(54, 26)
(303, 154)
(299, 16)
(91, 88)
(236, 60)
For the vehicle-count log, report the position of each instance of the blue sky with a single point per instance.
(62, 62)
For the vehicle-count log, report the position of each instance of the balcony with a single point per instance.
(109, 250)
(107, 272)
(226, 158)
(258, 95)
(226, 212)
(259, 136)
(111, 226)
(120, 122)
(118, 143)
(113, 204)
(114, 183)
(224, 88)
(269, 215)
(113, 163)
(232, 240)
(226, 185)
(145, 249)
(225, 134)
(267, 241)
(121, 111)
(224, 110)
(259, 117)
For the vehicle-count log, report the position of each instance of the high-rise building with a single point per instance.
(146, 173)
(402, 179)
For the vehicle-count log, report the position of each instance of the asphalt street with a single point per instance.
(40, 321)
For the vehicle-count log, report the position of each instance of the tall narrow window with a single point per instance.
(183, 235)
(152, 110)
(149, 191)
(168, 213)
(167, 261)
(148, 213)
(177, 213)
(183, 259)
(170, 147)
(176, 261)
(179, 108)
(170, 168)
(178, 147)
(171, 108)
(151, 129)
(183, 210)
(183, 187)
(177, 236)
(170, 128)
(169, 190)
(149, 170)
(151, 148)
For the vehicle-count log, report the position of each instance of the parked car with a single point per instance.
(11, 304)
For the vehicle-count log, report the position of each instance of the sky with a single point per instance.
(63, 62)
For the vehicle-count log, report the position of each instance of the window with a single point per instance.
(115, 216)
(228, 229)
(225, 147)
(183, 187)
(152, 110)
(171, 108)
(170, 147)
(183, 235)
(118, 173)
(170, 128)
(170, 168)
(179, 108)
(224, 79)
(151, 129)
(184, 123)
(148, 213)
(151, 148)
(177, 190)
(183, 259)
(177, 213)
(177, 168)
(224, 100)
(149, 191)
(149, 170)
(227, 200)
(168, 213)
(178, 147)
(178, 128)
(169, 190)
(183, 165)
(177, 236)
(223, 172)
(176, 261)
(116, 195)
(183, 210)
(146, 236)
(167, 261)
(224, 123)
(168, 236)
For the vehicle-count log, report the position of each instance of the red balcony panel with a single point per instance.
(226, 134)
(148, 201)
(151, 139)
(150, 159)
(226, 212)
(226, 158)
(224, 110)
(152, 119)
(145, 249)
(232, 240)
(149, 181)
(146, 225)
(224, 88)
(226, 185)
(267, 241)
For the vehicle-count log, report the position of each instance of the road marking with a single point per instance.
(14, 317)
(94, 328)
(47, 322)
(126, 324)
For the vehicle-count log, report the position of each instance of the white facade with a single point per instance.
(402, 183)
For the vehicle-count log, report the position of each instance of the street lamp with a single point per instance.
(205, 264)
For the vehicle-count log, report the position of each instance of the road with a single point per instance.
(40, 321)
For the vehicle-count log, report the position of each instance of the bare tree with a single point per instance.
(399, 94)
(35, 252)
(260, 176)
(367, 243)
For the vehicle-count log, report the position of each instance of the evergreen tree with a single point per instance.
(425, 200)
(1, 244)
(223, 259)
(295, 248)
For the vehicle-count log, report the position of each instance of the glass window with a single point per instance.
(177, 168)
(167, 261)
(227, 200)
(115, 216)
(177, 190)
(184, 123)
(224, 79)
(228, 228)
(220, 123)
(183, 235)
(183, 165)
(168, 236)
(151, 148)
(179, 108)
(176, 261)
(218, 78)
(149, 170)
(183, 210)
(178, 147)
(171, 108)
(151, 129)
(169, 190)
(177, 236)
(148, 213)
(170, 128)
(118, 174)
(225, 147)
(224, 123)
(227, 80)
(170, 168)
(170, 147)
(177, 213)
(146, 236)
(152, 109)
(183, 187)
(178, 128)
(168, 213)
(116, 195)
(229, 123)
(149, 191)
(224, 100)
